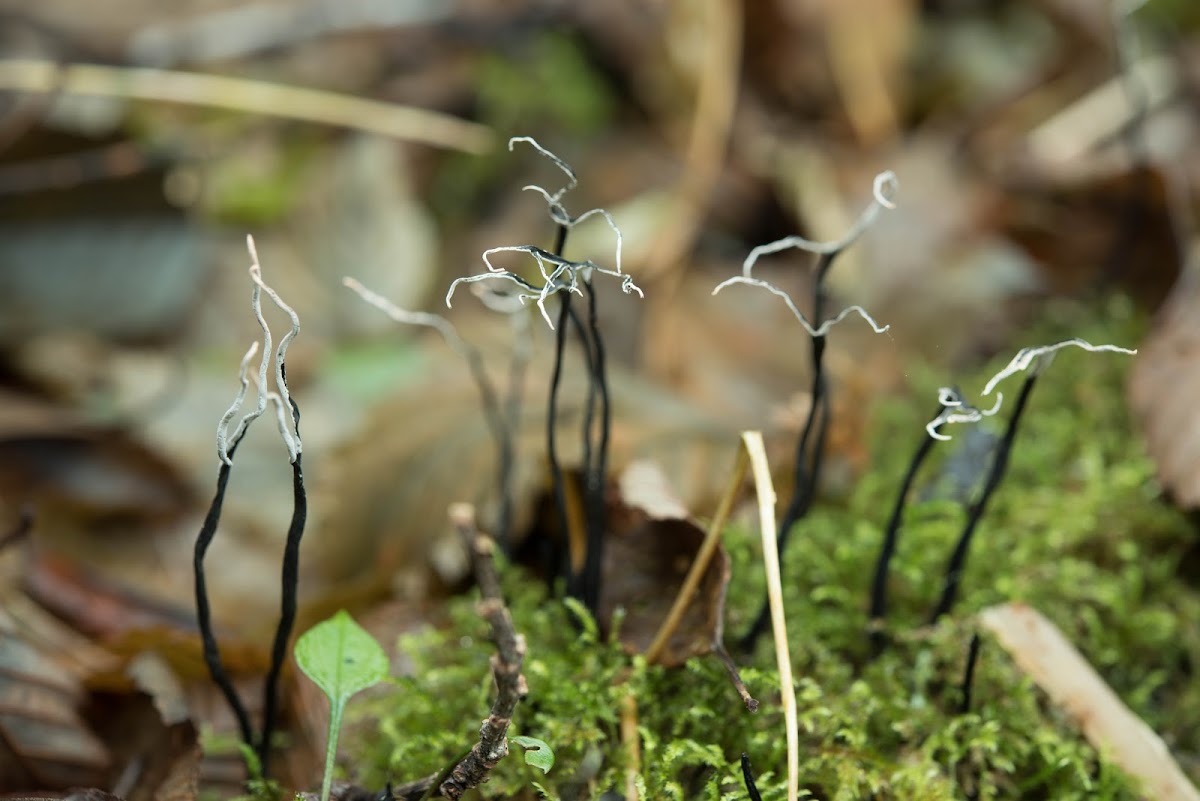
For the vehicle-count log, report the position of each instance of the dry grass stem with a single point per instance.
(761, 470)
(248, 96)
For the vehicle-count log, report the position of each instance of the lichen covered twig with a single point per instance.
(511, 688)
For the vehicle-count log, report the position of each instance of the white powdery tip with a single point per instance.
(1026, 356)
(820, 331)
(957, 411)
(885, 189)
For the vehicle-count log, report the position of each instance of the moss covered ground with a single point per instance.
(1080, 530)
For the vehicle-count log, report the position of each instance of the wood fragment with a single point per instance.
(1042, 651)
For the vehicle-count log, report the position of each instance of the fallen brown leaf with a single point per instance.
(651, 544)
(1162, 387)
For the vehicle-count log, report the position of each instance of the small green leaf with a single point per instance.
(341, 657)
(537, 753)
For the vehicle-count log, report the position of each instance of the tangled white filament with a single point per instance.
(281, 398)
(562, 274)
(884, 189)
(958, 411)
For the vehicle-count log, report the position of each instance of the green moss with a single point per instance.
(1078, 530)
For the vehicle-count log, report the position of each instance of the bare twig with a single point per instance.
(511, 688)
(248, 96)
(632, 742)
(1041, 651)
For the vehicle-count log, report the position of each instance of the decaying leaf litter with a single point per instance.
(1033, 203)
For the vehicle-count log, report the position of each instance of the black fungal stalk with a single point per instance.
(878, 606)
(212, 653)
(807, 461)
(501, 418)
(810, 447)
(290, 585)
(958, 558)
(564, 277)
(290, 575)
(968, 681)
(748, 778)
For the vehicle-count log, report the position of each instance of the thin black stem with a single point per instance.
(597, 512)
(891, 536)
(212, 654)
(748, 778)
(558, 556)
(808, 460)
(958, 559)
(964, 705)
(290, 582)
(506, 445)
(576, 581)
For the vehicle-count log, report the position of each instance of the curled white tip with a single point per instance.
(885, 189)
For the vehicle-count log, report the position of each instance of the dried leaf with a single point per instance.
(44, 743)
(430, 447)
(650, 546)
(1162, 388)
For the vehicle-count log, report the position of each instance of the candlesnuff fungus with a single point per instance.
(807, 468)
(288, 420)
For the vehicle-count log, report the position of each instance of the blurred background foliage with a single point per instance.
(1047, 157)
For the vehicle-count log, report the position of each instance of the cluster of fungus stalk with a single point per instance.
(287, 414)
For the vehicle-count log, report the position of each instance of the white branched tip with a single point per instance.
(958, 411)
(557, 273)
(281, 398)
(884, 193)
(223, 424)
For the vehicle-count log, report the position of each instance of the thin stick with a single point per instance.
(700, 564)
(766, 510)
(248, 96)
(511, 688)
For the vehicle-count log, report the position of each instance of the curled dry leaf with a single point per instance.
(651, 544)
(1162, 389)
(430, 447)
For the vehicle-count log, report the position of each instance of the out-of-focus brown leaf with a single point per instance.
(385, 525)
(89, 474)
(1113, 229)
(650, 546)
(44, 742)
(1163, 386)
